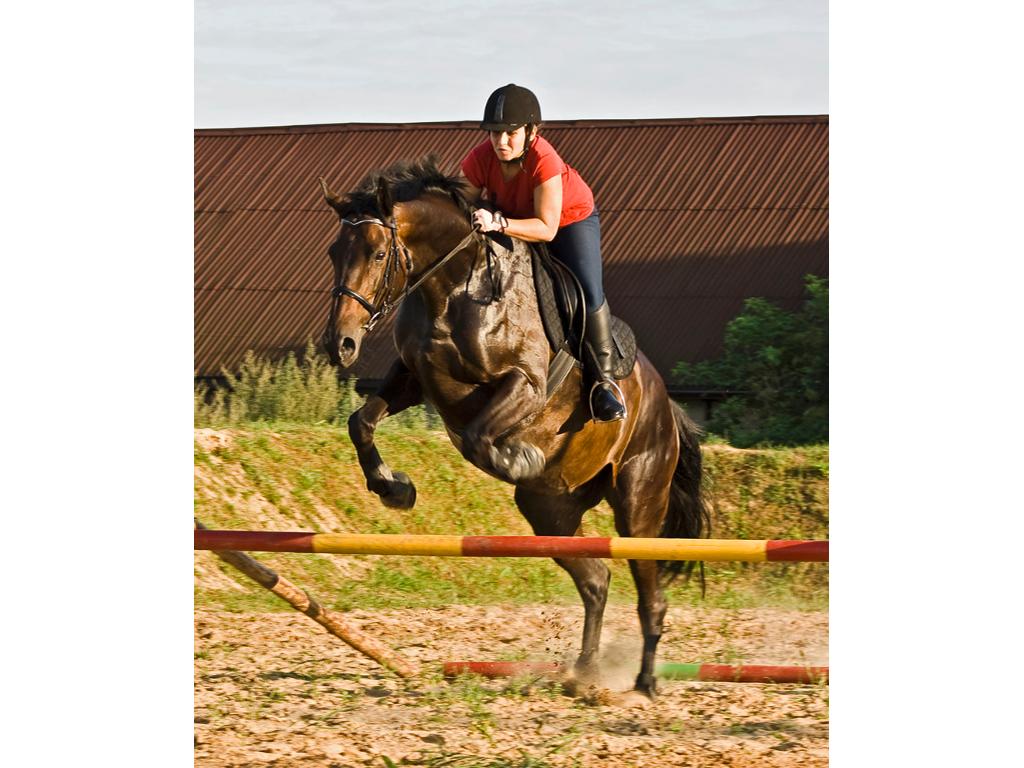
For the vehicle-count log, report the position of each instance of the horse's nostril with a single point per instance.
(348, 346)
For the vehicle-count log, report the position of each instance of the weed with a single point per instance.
(256, 601)
(308, 479)
(729, 653)
(300, 388)
(482, 721)
(522, 759)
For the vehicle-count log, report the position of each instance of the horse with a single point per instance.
(470, 342)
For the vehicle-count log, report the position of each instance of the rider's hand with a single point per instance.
(485, 221)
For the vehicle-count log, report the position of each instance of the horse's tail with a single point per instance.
(687, 516)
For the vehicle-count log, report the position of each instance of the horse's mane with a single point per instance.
(406, 180)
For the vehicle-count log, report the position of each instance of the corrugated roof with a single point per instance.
(697, 215)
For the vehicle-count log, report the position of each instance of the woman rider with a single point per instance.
(539, 198)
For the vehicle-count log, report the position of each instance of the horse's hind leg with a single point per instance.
(561, 516)
(398, 391)
(640, 500)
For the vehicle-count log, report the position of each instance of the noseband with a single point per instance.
(394, 260)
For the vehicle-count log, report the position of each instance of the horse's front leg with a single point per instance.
(516, 399)
(398, 391)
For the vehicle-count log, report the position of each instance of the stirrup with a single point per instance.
(622, 400)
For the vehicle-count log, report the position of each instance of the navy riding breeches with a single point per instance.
(578, 246)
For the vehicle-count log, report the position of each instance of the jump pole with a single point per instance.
(719, 673)
(303, 602)
(722, 550)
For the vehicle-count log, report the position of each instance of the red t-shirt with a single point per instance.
(515, 198)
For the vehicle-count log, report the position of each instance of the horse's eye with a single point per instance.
(379, 255)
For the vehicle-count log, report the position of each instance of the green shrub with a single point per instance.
(778, 362)
(301, 389)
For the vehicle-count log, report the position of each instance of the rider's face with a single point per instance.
(508, 144)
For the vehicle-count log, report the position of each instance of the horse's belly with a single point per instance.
(574, 459)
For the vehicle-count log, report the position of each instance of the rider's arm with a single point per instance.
(547, 205)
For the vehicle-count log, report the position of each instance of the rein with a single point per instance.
(386, 307)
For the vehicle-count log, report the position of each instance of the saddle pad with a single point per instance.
(558, 299)
(552, 306)
(625, 347)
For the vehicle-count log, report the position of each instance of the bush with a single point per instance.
(777, 362)
(298, 390)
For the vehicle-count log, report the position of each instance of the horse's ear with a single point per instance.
(332, 200)
(384, 202)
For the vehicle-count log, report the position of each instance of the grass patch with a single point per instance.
(305, 477)
(461, 760)
(240, 602)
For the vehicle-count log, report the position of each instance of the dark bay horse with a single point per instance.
(470, 341)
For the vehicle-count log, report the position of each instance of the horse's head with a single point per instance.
(399, 229)
(370, 270)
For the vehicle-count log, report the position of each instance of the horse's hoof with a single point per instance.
(646, 685)
(517, 461)
(580, 677)
(400, 493)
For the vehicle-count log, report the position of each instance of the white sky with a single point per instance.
(318, 61)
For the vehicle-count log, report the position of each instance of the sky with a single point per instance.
(318, 61)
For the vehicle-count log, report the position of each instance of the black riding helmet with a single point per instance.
(510, 107)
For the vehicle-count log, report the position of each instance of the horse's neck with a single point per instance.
(491, 297)
(476, 281)
(498, 272)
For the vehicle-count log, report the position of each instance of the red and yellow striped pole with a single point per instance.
(723, 550)
(719, 673)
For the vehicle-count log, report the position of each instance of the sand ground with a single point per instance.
(277, 690)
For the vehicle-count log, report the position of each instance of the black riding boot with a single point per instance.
(605, 396)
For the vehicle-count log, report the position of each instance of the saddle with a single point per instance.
(562, 312)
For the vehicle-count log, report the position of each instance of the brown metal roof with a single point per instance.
(697, 215)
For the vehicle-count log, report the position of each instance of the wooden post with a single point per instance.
(301, 601)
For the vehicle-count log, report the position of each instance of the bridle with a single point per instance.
(378, 309)
(384, 286)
